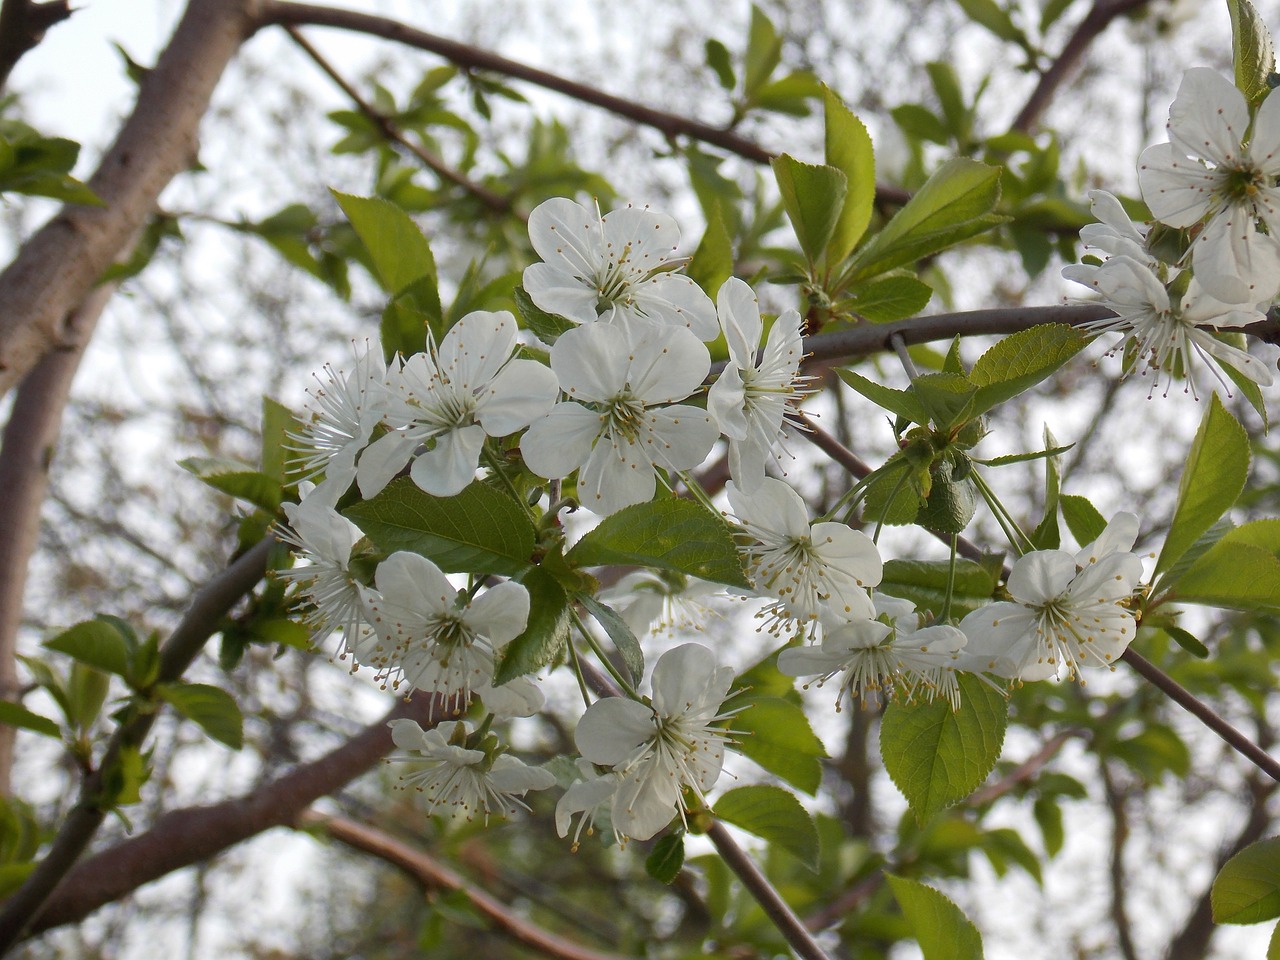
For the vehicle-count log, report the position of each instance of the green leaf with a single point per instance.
(672, 534)
(712, 262)
(478, 531)
(764, 51)
(891, 298)
(400, 253)
(950, 207)
(403, 329)
(278, 422)
(86, 693)
(772, 814)
(948, 397)
(1083, 519)
(211, 708)
(1239, 576)
(1187, 641)
(1212, 479)
(14, 875)
(938, 756)
(924, 583)
(237, 480)
(920, 123)
(618, 632)
(989, 14)
(776, 734)
(939, 926)
(547, 327)
(1048, 814)
(1273, 945)
(96, 643)
(666, 858)
(1021, 360)
(951, 504)
(719, 60)
(813, 197)
(904, 403)
(848, 149)
(1247, 889)
(13, 715)
(1053, 9)
(1047, 536)
(790, 94)
(546, 633)
(1252, 50)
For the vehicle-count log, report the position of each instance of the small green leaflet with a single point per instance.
(1247, 889)
(938, 756)
(776, 734)
(813, 197)
(214, 710)
(666, 859)
(939, 926)
(1252, 50)
(478, 531)
(772, 814)
(848, 149)
(618, 632)
(13, 715)
(546, 632)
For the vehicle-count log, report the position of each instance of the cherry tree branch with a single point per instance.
(183, 837)
(30, 437)
(434, 875)
(203, 618)
(392, 132)
(472, 58)
(23, 24)
(1096, 20)
(58, 266)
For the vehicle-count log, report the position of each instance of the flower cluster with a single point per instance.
(620, 409)
(1219, 188)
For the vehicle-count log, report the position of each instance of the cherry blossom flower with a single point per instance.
(1115, 235)
(591, 795)
(348, 409)
(621, 421)
(437, 639)
(893, 655)
(324, 539)
(462, 779)
(1230, 184)
(661, 748)
(1066, 611)
(804, 566)
(1167, 333)
(657, 600)
(450, 398)
(749, 400)
(612, 268)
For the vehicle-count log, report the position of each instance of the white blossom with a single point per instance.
(1168, 334)
(657, 600)
(1207, 173)
(439, 640)
(621, 420)
(450, 398)
(463, 781)
(804, 566)
(589, 797)
(324, 539)
(660, 748)
(893, 655)
(749, 399)
(1066, 611)
(612, 268)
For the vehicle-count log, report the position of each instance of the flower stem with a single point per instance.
(1020, 542)
(951, 582)
(494, 464)
(899, 345)
(696, 491)
(775, 908)
(594, 644)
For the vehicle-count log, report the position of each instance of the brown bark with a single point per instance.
(55, 270)
(27, 451)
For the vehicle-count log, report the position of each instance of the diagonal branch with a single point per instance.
(183, 837)
(22, 26)
(202, 619)
(58, 266)
(1096, 20)
(432, 874)
(472, 58)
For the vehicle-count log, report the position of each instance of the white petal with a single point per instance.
(1041, 575)
(592, 362)
(564, 294)
(725, 402)
(561, 441)
(566, 235)
(617, 474)
(1178, 191)
(524, 391)
(382, 460)
(500, 613)
(679, 437)
(476, 347)
(1234, 261)
(675, 300)
(611, 730)
(412, 581)
(667, 363)
(688, 677)
(1208, 117)
(739, 313)
(449, 467)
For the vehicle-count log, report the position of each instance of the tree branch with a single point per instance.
(468, 57)
(1116, 872)
(29, 440)
(393, 133)
(22, 26)
(432, 874)
(201, 621)
(181, 838)
(58, 266)
(1097, 20)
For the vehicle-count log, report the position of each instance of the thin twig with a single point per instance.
(22, 26)
(432, 874)
(1119, 837)
(758, 885)
(1202, 711)
(464, 55)
(204, 616)
(393, 132)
